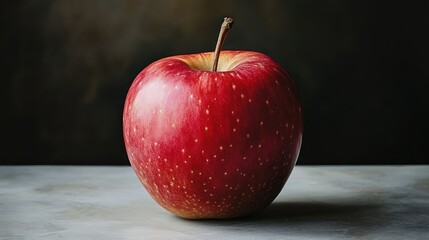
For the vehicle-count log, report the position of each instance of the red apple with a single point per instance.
(213, 144)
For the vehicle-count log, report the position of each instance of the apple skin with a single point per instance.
(211, 144)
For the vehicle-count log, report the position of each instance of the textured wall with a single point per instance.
(361, 68)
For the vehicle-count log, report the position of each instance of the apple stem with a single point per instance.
(224, 29)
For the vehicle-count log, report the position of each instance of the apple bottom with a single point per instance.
(211, 192)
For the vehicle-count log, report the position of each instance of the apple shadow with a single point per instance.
(311, 211)
(345, 218)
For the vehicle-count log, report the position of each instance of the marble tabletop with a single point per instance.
(317, 202)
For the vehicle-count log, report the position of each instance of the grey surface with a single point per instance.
(369, 202)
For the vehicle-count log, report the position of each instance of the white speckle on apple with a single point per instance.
(261, 123)
(183, 150)
(196, 140)
(233, 86)
(207, 111)
(248, 135)
(220, 147)
(225, 173)
(206, 128)
(267, 102)
(250, 100)
(260, 145)
(238, 120)
(242, 95)
(234, 129)
(232, 112)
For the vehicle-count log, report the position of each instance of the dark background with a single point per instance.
(361, 68)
